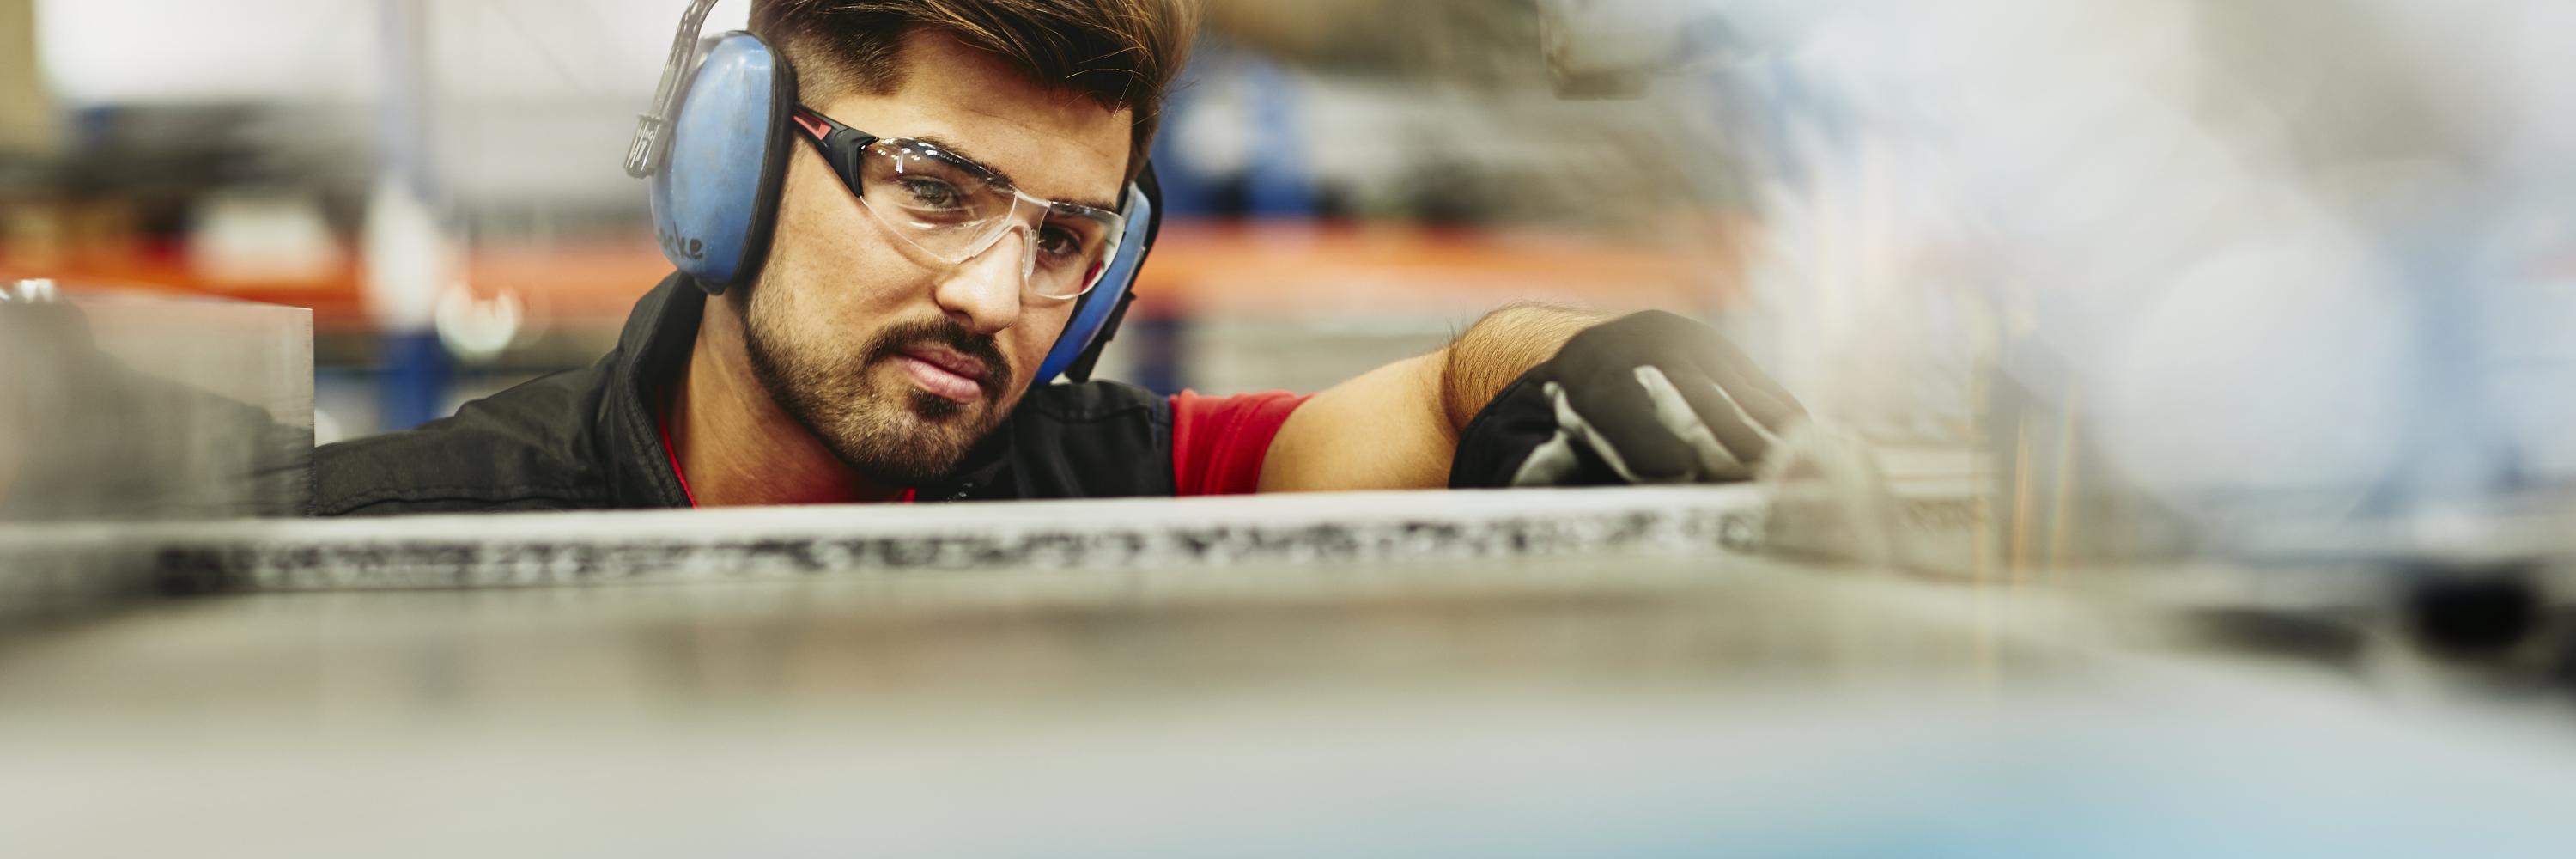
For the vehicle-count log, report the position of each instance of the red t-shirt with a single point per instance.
(1218, 443)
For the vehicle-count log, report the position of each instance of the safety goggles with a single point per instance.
(955, 210)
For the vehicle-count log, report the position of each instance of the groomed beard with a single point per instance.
(902, 437)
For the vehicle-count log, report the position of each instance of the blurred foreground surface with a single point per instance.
(1646, 703)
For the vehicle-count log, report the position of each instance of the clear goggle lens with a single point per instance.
(955, 212)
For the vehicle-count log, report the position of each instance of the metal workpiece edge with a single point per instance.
(54, 563)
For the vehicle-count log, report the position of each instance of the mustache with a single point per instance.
(981, 347)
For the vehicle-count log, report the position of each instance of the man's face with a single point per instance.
(897, 361)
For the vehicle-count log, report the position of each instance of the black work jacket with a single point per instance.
(588, 439)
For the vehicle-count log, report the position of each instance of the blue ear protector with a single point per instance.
(1097, 314)
(716, 146)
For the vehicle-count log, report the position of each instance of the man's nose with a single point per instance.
(983, 293)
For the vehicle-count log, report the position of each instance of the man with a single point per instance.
(862, 367)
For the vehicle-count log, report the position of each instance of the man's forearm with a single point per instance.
(1648, 398)
(1398, 426)
(1498, 349)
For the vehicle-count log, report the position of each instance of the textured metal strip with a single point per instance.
(54, 564)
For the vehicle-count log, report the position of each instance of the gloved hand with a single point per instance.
(1648, 398)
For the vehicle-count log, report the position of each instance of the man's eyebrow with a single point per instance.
(954, 151)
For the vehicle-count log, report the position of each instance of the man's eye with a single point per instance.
(1059, 243)
(930, 194)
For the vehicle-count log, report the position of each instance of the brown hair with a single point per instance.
(1121, 54)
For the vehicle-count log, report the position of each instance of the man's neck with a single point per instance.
(735, 446)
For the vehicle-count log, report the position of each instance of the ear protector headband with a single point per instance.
(715, 146)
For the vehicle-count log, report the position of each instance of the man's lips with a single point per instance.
(945, 372)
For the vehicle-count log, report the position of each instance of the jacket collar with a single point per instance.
(651, 353)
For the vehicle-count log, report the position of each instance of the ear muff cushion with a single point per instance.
(715, 200)
(1098, 310)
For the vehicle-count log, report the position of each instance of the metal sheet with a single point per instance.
(56, 564)
(118, 407)
(1609, 705)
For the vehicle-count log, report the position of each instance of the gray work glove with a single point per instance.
(1648, 398)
